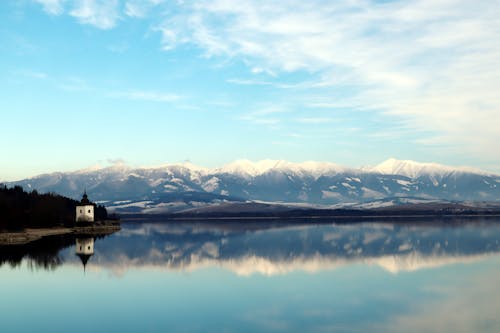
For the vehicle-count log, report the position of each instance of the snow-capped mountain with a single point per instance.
(414, 169)
(180, 186)
(248, 168)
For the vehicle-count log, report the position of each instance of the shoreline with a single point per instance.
(344, 217)
(108, 227)
(29, 235)
(339, 217)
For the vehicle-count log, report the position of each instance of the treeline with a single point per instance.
(20, 209)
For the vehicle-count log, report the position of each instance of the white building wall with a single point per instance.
(85, 213)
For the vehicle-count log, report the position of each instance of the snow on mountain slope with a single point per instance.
(272, 181)
(412, 169)
(248, 168)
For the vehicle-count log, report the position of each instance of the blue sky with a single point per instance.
(153, 82)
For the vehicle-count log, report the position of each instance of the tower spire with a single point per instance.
(85, 198)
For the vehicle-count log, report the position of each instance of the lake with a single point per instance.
(258, 276)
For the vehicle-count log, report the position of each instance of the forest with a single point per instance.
(20, 209)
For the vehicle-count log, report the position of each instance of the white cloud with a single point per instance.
(169, 39)
(252, 82)
(266, 115)
(314, 120)
(152, 96)
(102, 14)
(272, 122)
(134, 9)
(140, 8)
(247, 82)
(52, 7)
(74, 84)
(431, 64)
(33, 74)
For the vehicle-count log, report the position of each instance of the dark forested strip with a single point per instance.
(20, 209)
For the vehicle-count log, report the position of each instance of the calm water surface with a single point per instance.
(228, 277)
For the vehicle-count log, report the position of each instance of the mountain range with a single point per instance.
(177, 187)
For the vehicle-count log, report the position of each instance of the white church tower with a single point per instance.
(85, 210)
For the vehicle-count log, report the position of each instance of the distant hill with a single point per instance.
(179, 187)
(269, 210)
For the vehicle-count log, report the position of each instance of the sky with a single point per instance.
(91, 82)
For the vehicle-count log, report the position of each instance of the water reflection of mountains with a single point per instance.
(246, 249)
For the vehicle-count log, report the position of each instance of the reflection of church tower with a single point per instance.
(84, 249)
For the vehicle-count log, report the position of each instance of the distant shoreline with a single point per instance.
(329, 217)
(263, 211)
(344, 218)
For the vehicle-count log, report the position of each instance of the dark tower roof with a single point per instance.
(85, 198)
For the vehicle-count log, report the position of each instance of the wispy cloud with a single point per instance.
(140, 8)
(102, 14)
(269, 115)
(262, 121)
(433, 63)
(135, 9)
(270, 110)
(74, 84)
(151, 96)
(52, 7)
(253, 82)
(32, 74)
(429, 64)
(249, 82)
(314, 120)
